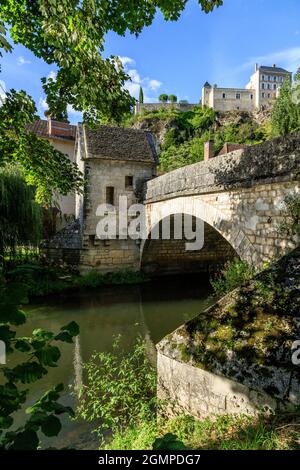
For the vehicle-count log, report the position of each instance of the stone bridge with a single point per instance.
(239, 197)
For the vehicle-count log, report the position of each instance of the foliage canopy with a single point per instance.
(71, 35)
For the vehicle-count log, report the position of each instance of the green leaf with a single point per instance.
(51, 426)
(22, 345)
(72, 328)
(25, 373)
(48, 356)
(26, 440)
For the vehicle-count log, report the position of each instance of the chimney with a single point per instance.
(59, 129)
(274, 65)
(256, 67)
(208, 150)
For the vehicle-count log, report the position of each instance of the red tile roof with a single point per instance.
(60, 130)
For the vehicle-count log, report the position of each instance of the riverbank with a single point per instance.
(42, 280)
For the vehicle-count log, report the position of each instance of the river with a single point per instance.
(152, 309)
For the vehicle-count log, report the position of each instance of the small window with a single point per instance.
(262, 77)
(269, 77)
(110, 195)
(269, 95)
(128, 181)
(275, 78)
(263, 86)
(263, 94)
(224, 96)
(238, 96)
(251, 97)
(269, 86)
(274, 86)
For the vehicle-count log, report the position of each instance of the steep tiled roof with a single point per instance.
(40, 128)
(117, 143)
(268, 69)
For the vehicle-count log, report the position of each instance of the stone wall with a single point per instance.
(170, 256)
(109, 255)
(239, 194)
(214, 98)
(200, 393)
(139, 108)
(238, 355)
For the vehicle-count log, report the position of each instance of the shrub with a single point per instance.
(234, 274)
(163, 98)
(95, 279)
(173, 98)
(120, 389)
(187, 153)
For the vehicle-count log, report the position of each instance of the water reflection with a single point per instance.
(152, 310)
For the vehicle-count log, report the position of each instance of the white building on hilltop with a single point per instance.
(262, 89)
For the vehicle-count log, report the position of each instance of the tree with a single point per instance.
(71, 34)
(141, 96)
(286, 111)
(173, 98)
(163, 98)
(20, 215)
(43, 167)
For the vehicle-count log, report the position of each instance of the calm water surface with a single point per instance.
(152, 310)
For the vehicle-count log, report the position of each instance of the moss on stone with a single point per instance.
(249, 330)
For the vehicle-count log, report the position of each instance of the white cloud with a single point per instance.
(150, 85)
(22, 61)
(52, 75)
(286, 58)
(43, 104)
(2, 91)
(72, 113)
(126, 61)
(154, 84)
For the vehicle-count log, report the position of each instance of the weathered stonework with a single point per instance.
(237, 355)
(239, 194)
(171, 257)
(107, 157)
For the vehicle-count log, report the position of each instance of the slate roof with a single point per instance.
(268, 69)
(207, 85)
(40, 128)
(117, 143)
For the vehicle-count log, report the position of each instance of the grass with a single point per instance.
(228, 432)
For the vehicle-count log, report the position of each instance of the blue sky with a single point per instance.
(221, 47)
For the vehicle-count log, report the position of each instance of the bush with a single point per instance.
(187, 153)
(120, 389)
(234, 274)
(38, 280)
(163, 98)
(95, 279)
(173, 98)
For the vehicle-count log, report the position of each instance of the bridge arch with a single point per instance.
(228, 229)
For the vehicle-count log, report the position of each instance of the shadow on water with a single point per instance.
(152, 309)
